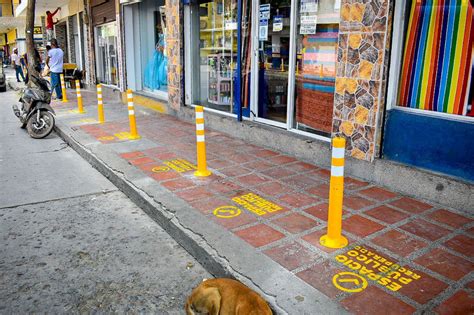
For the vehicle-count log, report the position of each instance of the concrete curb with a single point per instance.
(222, 255)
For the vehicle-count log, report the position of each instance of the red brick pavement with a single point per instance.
(414, 255)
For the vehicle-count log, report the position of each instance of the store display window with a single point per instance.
(215, 54)
(106, 53)
(154, 59)
(436, 72)
(316, 56)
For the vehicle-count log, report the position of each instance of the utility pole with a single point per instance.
(30, 44)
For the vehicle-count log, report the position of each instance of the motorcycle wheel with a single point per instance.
(43, 127)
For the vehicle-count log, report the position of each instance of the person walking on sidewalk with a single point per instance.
(55, 64)
(50, 23)
(16, 63)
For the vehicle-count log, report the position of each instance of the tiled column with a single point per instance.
(174, 49)
(359, 77)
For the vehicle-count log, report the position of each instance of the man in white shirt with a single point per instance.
(16, 63)
(55, 64)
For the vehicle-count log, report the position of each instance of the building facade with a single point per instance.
(379, 73)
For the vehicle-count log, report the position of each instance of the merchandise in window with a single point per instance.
(437, 68)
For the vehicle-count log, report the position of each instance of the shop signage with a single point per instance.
(308, 24)
(38, 30)
(277, 23)
(264, 15)
(309, 6)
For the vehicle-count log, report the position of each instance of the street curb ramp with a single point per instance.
(221, 254)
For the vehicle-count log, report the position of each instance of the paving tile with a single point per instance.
(207, 206)
(251, 180)
(141, 160)
(423, 290)
(376, 301)
(240, 158)
(320, 277)
(278, 172)
(321, 191)
(273, 188)
(224, 186)
(291, 256)
(161, 176)
(461, 302)
(378, 193)
(446, 264)
(219, 164)
(177, 184)
(411, 205)
(399, 243)
(132, 155)
(259, 165)
(323, 174)
(235, 222)
(264, 153)
(148, 168)
(352, 183)
(313, 239)
(387, 214)
(301, 180)
(298, 200)
(259, 235)
(281, 159)
(295, 223)
(360, 226)
(449, 218)
(166, 156)
(356, 203)
(194, 193)
(319, 211)
(153, 151)
(425, 229)
(461, 244)
(301, 167)
(234, 171)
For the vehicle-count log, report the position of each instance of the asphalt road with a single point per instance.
(72, 243)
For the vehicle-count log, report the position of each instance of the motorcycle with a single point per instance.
(35, 113)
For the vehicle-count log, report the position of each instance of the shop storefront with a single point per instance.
(145, 31)
(105, 41)
(431, 118)
(285, 51)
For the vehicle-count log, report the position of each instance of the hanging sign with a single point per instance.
(308, 24)
(277, 23)
(309, 6)
(264, 12)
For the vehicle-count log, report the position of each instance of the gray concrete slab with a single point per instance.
(48, 167)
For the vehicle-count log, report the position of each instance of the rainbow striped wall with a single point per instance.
(438, 56)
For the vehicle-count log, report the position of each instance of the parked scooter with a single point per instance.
(35, 113)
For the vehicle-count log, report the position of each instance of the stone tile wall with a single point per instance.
(174, 49)
(359, 76)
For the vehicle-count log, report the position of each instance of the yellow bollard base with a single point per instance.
(333, 243)
(76, 111)
(134, 137)
(202, 173)
(64, 100)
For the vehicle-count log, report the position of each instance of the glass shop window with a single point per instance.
(153, 44)
(316, 56)
(436, 72)
(106, 54)
(215, 54)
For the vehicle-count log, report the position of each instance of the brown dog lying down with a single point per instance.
(225, 297)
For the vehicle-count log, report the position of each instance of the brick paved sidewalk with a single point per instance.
(404, 255)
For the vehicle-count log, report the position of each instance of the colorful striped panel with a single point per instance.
(438, 56)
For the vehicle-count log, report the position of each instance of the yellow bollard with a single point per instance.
(202, 170)
(63, 88)
(80, 108)
(131, 116)
(334, 238)
(100, 104)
